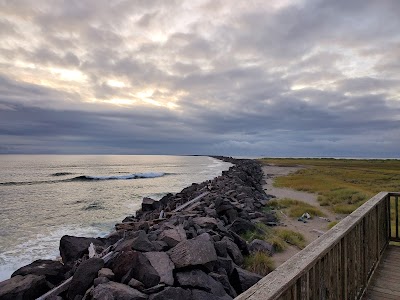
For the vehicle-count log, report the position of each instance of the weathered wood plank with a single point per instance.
(183, 206)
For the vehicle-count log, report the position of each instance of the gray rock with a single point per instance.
(231, 214)
(136, 284)
(23, 287)
(197, 251)
(224, 280)
(116, 291)
(122, 264)
(198, 279)
(172, 293)
(233, 251)
(173, 236)
(242, 279)
(106, 272)
(205, 222)
(240, 242)
(240, 226)
(143, 270)
(84, 276)
(100, 280)
(149, 204)
(163, 265)
(257, 245)
(53, 270)
(203, 295)
(73, 248)
(225, 263)
(221, 249)
(142, 243)
(154, 289)
(211, 212)
(160, 246)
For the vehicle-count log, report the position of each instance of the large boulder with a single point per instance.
(163, 265)
(224, 280)
(194, 252)
(173, 236)
(139, 241)
(240, 226)
(149, 204)
(233, 251)
(240, 242)
(203, 295)
(73, 248)
(257, 245)
(200, 280)
(172, 293)
(242, 279)
(116, 291)
(225, 263)
(143, 270)
(142, 243)
(23, 287)
(221, 249)
(122, 264)
(53, 270)
(84, 277)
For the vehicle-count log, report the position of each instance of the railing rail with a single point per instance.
(340, 263)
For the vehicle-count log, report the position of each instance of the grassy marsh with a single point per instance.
(341, 184)
(295, 208)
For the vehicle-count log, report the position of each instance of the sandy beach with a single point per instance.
(314, 227)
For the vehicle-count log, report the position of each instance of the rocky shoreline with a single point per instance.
(184, 246)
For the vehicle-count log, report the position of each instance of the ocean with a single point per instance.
(44, 197)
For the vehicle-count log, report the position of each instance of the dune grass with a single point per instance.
(277, 237)
(331, 224)
(259, 262)
(342, 184)
(295, 208)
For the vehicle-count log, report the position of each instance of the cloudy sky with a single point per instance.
(256, 78)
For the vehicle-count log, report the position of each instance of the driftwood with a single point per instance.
(187, 204)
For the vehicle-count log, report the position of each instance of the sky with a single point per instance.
(241, 78)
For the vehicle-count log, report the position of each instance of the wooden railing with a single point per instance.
(341, 262)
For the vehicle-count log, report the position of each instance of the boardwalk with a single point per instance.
(354, 260)
(385, 284)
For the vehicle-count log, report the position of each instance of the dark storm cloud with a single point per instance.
(313, 77)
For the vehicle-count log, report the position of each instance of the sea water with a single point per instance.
(43, 197)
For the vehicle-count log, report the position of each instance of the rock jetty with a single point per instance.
(184, 246)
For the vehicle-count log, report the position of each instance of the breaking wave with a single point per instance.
(120, 177)
(88, 178)
(61, 174)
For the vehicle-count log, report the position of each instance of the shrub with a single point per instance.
(296, 208)
(292, 237)
(259, 262)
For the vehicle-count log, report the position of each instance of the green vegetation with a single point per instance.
(292, 237)
(295, 208)
(277, 237)
(342, 184)
(331, 224)
(259, 262)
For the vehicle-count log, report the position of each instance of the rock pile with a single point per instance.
(164, 252)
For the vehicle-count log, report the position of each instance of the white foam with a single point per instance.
(42, 247)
